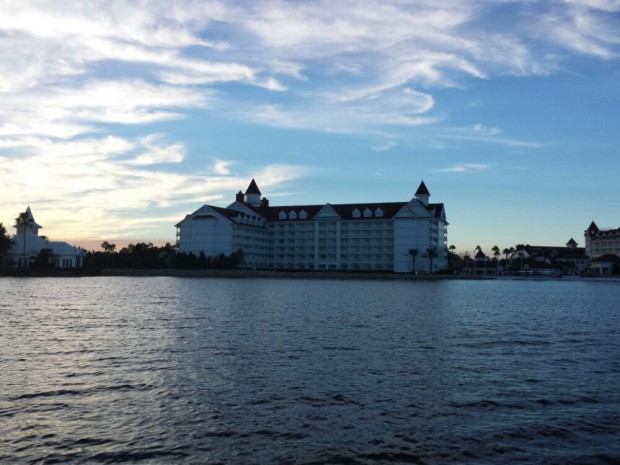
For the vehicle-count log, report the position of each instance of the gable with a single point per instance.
(240, 207)
(413, 209)
(327, 212)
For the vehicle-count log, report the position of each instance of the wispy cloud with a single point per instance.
(487, 134)
(106, 181)
(466, 168)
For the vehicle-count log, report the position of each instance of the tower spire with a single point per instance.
(252, 194)
(422, 194)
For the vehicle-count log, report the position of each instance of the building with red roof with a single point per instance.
(359, 236)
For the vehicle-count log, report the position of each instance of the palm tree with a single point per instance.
(23, 220)
(431, 253)
(109, 249)
(452, 258)
(496, 253)
(414, 254)
(506, 252)
(477, 249)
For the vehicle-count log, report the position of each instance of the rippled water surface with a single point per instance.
(259, 371)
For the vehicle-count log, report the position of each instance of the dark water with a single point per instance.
(256, 371)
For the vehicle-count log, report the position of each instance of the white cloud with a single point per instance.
(487, 131)
(102, 187)
(65, 112)
(222, 167)
(466, 168)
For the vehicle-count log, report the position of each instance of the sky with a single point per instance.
(118, 118)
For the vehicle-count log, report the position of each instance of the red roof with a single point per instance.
(253, 188)
(390, 209)
(607, 258)
(422, 190)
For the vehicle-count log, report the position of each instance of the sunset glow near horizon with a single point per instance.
(119, 118)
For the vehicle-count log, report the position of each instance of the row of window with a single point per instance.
(332, 266)
(356, 213)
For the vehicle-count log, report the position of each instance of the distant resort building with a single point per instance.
(603, 248)
(27, 245)
(361, 236)
(543, 259)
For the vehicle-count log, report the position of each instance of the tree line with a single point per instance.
(147, 255)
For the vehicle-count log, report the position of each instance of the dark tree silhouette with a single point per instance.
(23, 220)
(432, 253)
(414, 254)
(5, 244)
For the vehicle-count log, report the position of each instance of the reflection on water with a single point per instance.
(168, 370)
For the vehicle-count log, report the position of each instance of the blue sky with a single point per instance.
(117, 118)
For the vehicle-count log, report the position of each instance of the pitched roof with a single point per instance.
(253, 188)
(350, 211)
(607, 258)
(422, 190)
(30, 218)
(345, 211)
(592, 229)
(562, 253)
(596, 233)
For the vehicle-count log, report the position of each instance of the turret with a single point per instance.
(592, 229)
(571, 244)
(27, 224)
(422, 194)
(252, 194)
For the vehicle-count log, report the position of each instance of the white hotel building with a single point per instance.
(364, 236)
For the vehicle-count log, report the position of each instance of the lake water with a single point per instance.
(275, 371)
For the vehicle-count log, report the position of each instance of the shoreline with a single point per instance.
(240, 274)
(247, 274)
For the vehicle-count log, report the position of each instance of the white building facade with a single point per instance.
(601, 241)
(27, 244)
(365, 236)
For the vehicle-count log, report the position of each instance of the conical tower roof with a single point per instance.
(592, 229)
(252, 188)
(422, 190)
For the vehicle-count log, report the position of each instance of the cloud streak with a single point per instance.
(466, 168)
